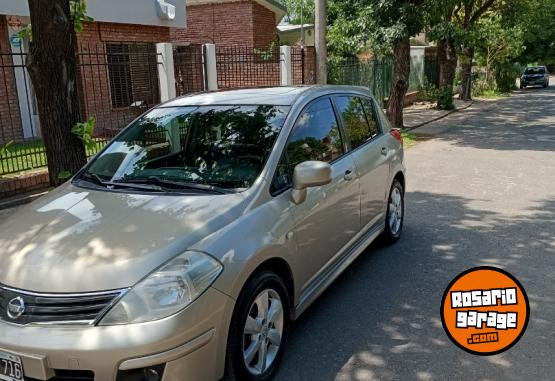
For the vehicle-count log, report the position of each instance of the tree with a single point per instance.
(537, 18)
(299, 11)
(466, 16)
(394, 22)
(53, 69)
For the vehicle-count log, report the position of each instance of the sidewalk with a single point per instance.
(420, 115)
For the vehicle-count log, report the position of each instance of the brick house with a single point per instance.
(116, 35)
(231, 22)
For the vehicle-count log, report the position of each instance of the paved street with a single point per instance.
(481, 193)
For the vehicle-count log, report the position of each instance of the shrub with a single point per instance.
(445, 98)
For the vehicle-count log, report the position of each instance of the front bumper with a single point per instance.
(191, 344)
(533, 81)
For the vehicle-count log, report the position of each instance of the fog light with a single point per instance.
(151, 373)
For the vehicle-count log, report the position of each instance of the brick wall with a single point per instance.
(102, 32)
(264, 22)
(95, 90)
(10, 119)
(236, 23)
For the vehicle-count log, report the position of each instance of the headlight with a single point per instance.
(167, 290)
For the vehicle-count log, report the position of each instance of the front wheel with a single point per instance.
(259, 329)
(395, 213)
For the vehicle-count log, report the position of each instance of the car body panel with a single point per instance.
(78, 239)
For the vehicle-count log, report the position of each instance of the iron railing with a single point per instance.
(374, 74)
(303, 65)
(245, 66)
(116, 83)
(189, 69)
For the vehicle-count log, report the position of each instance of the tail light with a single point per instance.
(396, 133)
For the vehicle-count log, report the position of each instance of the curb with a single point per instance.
(439, 117)
(20, 200)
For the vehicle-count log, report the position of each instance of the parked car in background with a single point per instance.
(187, 246)
(535, 76)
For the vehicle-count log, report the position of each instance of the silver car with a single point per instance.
(185, 249)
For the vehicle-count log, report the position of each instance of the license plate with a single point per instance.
(10, 367)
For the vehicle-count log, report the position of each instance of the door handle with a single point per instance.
(384, 151)
(348, 175)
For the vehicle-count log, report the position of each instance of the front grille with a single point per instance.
(54, 308)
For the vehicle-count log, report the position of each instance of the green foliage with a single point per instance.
(268, 53)
(499, 44)
(78, 9)
(85, 132)
(538, 19)
(429, 92)
(445, 98)
(299, 11)
(505, 77)
(481, 87)
(26, 33)
(5, 148)
(64, 175)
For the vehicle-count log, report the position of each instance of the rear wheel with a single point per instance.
(395, 213)
(259, 329)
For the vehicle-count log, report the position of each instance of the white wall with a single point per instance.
(142, 12)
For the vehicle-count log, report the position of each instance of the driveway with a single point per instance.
(480, 193)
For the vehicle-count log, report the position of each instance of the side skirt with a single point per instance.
(322, 282)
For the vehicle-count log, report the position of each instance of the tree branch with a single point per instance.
(480, 11)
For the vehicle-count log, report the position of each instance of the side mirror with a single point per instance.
(309, 174)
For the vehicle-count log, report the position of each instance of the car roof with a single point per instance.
(282, 96)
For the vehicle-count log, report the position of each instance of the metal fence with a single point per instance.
(303, 65)
(116, 83)
(374, 74)
(244, 66)
(189, 69)
(377, 74)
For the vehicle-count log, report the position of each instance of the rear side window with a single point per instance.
(315, 136)
(358, 119)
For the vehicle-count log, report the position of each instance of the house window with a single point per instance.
(133, 74)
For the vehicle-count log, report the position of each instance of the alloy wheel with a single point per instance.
(395, 216)
(263, 332)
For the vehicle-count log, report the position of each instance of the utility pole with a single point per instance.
(320, 42)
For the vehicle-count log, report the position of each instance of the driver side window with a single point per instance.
(315, 136)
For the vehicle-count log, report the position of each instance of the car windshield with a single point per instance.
(195, 147)
(535, 70)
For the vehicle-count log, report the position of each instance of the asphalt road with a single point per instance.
(481, 193)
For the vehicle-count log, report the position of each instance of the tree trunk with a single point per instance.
(52, 67)
(320, 42)
(465, 91)
(400, 84)
(447, 66)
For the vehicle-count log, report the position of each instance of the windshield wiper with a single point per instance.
(154, 180)
(93, 177)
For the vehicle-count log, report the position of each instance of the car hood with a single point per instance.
(80, 240)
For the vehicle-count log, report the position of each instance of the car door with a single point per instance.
(330, 216)
(369, 149)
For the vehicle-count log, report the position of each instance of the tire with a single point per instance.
(392, 231)
(238, 368)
